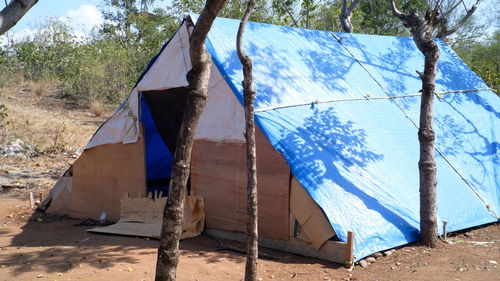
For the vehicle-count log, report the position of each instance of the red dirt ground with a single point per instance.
(57, 250)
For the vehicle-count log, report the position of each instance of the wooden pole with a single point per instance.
(32, 201)
(349, 253)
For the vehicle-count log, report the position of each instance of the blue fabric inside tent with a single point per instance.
(157, 156)
(323, 103)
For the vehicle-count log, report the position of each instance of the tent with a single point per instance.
(337, 142)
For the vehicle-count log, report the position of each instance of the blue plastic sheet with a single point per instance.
(322, 101)
(157, 156)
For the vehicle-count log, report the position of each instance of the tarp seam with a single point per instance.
(487, 206)
(389, 97)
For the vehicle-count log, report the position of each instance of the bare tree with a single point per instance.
(422, 30)
(13, 12)
(198, 76)
(346, 15)
(447, 8)
(249, 97)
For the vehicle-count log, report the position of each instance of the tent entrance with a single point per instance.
(161, 116)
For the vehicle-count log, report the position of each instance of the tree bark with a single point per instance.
(346, 15)
(198, 76)
(13, 12)
(422, 29)
(252, 205)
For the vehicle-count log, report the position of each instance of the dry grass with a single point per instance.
(97, 108)
(44, 87)
(39, 119)
(45, 134)
(40, 88)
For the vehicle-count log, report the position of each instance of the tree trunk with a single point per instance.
(168, 251)
(427, 163)
(13, 12)
(346, 15)
(249, 97)
(422, 29)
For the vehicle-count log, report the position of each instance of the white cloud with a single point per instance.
(84, 18)
(80, 20)
(20, 35)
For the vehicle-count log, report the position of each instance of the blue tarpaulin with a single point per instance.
(158, 158)
(323, 101)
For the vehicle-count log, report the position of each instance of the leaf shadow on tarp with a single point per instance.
(455, 75)
(466, 137)
(323, 141)
(397, 66)
(295, 76)
(322, 149)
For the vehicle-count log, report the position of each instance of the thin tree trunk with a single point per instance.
(249, 97)
(168, 251)
(13, 12)
(307, 14)
(422, 29)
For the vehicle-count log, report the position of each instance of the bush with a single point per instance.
(484, 59)
(100, 68)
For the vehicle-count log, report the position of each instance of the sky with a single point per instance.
(82, 15)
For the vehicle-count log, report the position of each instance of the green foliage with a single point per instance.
(136, 24)
(104, 66)
(48, 52)
(7, 67)
(484, 59)
(375, 17)
(300, 13)
(369, 16)
(233, 9)
(102, 70)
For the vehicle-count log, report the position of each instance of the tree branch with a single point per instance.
(464, 19)
(352, 6)
(13, 12)
(447, 13)
(346, 15)
(394, 9)
(290, 14)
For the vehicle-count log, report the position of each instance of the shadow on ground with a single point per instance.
(60, 247)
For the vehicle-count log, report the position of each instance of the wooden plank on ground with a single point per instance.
(334, 251)
(143, 217)
(218, 174)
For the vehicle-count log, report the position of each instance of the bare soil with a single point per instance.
(48, 248)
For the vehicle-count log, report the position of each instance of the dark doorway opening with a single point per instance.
(161, 116)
